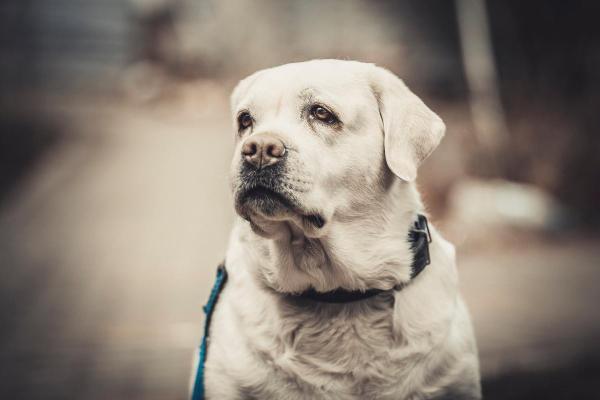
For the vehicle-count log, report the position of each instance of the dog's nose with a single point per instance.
(263, 150)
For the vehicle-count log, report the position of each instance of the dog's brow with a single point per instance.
(244, 106)
(307, 94)
(312, 95)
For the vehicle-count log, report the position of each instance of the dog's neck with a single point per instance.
(358, 252)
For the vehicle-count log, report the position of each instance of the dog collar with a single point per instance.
(419, 238)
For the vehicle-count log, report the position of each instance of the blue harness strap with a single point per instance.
(198, 389)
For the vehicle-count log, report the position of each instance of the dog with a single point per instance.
(322, 300)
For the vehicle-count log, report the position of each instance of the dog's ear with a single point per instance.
(411, 130)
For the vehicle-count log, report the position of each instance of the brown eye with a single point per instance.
(323, 114)
(244, 120)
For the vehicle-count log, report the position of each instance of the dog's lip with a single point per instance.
(314, 219)
(260, 191)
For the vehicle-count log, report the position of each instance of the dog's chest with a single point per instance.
(334, 352)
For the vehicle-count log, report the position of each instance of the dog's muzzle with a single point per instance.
(263, 184)
(261, 187)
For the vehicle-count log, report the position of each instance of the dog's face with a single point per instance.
(320, 142)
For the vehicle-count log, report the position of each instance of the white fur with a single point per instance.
(415, 343)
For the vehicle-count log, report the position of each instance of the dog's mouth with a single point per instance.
(274, 204)
(266, 199)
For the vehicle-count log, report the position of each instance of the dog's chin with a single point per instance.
(273, 214)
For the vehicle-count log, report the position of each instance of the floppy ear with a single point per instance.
(411, 130)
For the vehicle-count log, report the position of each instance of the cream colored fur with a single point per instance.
(415, 343)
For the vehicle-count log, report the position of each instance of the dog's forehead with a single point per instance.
(325, 74)
(335, 79)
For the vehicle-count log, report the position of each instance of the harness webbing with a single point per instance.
(198, 389)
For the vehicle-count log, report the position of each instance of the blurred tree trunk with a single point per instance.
(548, 58)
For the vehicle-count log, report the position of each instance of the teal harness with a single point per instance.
(198, 391)
(419, 238)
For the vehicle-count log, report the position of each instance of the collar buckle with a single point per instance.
(422, 227)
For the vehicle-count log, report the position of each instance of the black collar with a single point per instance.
(419, 238)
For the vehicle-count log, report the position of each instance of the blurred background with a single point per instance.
(115, 142)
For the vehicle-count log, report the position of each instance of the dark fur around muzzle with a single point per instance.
(264, 190)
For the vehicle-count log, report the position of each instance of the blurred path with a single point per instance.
(111, 247)
(535, 306)
(109, 251)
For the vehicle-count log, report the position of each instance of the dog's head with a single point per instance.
(316, 142)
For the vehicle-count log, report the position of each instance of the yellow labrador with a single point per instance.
(337, 287)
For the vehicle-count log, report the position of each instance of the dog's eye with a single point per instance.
(244, 120)
(323, 114)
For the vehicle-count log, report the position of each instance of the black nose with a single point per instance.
(263, 150)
